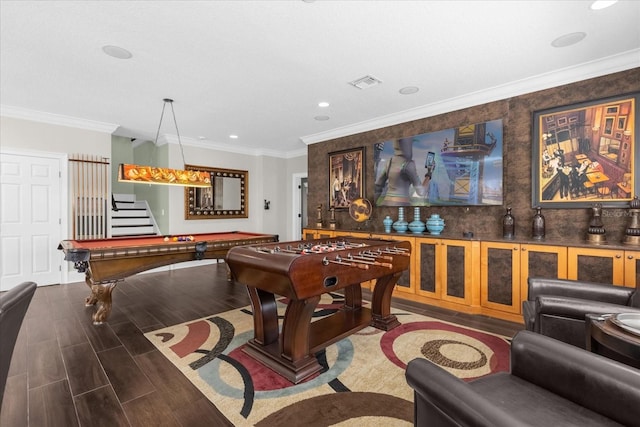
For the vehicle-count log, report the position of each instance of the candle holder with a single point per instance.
(632, 233)
(319, 216)
(596, 232)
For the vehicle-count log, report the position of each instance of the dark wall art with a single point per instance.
(453, 167)
(346, 178)
(585, 153)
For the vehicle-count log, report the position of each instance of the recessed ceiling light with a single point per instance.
(117, 52)
(202, 137)
(321, 118)
(568, 39)
(323, 104)
(602, 4)
(408, 90)
(233, 136)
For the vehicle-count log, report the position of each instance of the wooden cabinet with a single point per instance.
(500, 277)
(505, 268)
(445, 270)
(632, 268)
(541, 261)
(599, 265)
(490, 277)
(314, 233)
(406, 282)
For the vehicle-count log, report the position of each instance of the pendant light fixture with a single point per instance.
(164, 176)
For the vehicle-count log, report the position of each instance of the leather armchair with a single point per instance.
(550, 383)
(557, 307)
(13, 307)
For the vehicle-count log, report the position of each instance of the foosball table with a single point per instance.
(302, 271)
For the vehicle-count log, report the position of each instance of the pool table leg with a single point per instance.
(101, 295)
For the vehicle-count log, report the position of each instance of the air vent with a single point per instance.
(365, 82)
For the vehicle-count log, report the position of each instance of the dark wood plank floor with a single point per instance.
(67, 372)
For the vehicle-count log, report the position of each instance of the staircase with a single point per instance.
(131, 217)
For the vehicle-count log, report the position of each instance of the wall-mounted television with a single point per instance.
(453, 167)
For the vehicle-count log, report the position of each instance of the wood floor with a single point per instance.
(67, 372)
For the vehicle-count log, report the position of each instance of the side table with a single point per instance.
(606, 338)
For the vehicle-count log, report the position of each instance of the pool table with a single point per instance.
(107, 261)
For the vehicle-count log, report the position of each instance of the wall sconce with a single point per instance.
(266, 204)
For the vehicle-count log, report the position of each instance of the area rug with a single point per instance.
(362, 382)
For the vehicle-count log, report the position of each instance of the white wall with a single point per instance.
(269, 177)
(29, 135)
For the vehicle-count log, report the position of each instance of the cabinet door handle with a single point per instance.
(629, 256)
(523, 249)
(618, 256)
(515, 249)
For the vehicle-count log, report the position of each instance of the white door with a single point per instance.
(30, 219)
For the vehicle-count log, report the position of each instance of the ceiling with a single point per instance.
(258, 69)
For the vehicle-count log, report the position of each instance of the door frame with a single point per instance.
(296, 230)
(63, 162)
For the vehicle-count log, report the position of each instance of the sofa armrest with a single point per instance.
(441, 399)
(578, 289)
(602, 385)
(576, 308)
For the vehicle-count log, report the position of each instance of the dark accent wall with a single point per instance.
(516, 114)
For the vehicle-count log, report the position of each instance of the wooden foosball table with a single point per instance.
(302, 271)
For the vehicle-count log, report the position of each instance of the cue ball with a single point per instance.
(166, 239)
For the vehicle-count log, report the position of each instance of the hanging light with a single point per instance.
(164, 176)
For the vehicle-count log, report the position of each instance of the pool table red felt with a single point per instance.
(106, 261)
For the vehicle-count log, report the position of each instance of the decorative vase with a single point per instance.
(435, 224)
(401, 225)
(538, 225)
(508, 225)
(387, 222)
(416, 226)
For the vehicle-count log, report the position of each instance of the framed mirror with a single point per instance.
(227, 197)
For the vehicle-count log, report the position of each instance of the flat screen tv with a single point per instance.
(453, 167)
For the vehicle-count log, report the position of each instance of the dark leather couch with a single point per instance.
(550, 384)
(557, 307)
(13, 307)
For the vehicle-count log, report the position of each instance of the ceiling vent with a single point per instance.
(365, 82)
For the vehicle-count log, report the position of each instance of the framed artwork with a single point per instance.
(585, 161)
(226, 198)
(346, 177)
(622, 122)
(459, 166)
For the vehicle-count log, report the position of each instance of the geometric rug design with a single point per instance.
(362, 381)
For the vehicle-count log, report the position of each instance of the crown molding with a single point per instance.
(612, 64)
(211, 145)
(56, 119)
(110, 128)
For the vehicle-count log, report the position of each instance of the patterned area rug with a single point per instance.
(362, 382)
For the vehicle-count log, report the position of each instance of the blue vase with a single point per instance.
(416, 226)
(387, 222)
(435, 224)
(401, 225)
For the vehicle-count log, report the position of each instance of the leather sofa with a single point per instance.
(13, 307)
(551, 383)
(557, 307)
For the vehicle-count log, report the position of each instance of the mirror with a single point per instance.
(227, 197)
